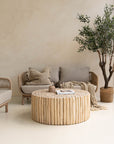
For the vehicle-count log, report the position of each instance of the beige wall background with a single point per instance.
(40, 32)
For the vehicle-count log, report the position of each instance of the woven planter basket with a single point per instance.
(106, 94)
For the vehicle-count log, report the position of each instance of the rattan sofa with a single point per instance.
(5, 92)
(26, 94)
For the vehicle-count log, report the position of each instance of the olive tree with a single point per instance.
(99, 37)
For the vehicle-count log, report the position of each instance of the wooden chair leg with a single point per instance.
(6, 108)
(22, 100)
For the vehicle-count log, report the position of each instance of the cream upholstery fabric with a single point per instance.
(30, 88)
(5, 95)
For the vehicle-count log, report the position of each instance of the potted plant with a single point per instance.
(99, 38)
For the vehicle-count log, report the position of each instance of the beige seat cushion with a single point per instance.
(38, 78)
(5, 95)
(30, 88)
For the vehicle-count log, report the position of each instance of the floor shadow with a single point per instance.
(25, 118)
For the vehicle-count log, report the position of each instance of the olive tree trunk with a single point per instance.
(102, 64)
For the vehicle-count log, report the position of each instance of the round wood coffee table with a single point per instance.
(50, 108)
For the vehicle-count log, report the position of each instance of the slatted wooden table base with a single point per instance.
(50, 108)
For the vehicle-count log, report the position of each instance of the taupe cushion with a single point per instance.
(38, 78)
(30, 88)
(5, 95)
(74, 74)
(54, 73)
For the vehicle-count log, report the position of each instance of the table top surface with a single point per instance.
(46, 94)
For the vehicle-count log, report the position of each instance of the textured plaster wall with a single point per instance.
(40, 32)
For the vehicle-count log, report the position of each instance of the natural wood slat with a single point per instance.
(50, 108)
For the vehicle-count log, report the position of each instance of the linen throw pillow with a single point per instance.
(25, 77)
(38, 78)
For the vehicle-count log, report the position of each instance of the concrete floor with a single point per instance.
(17, 127)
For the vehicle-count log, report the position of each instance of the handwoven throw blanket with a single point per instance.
(88, 87)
